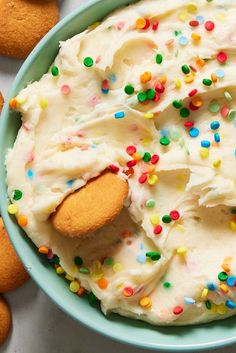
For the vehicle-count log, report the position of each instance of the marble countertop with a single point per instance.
(38, 325)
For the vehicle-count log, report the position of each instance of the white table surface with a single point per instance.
(38, 325)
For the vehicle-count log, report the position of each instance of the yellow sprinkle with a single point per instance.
(120, 285)
(183, 16)
(12, 209)
(221, 16)
(155, 219)
(177, 83)
(146, 141)
(232, 226)
(192, 7)
(151, 169)
(95, 276)
(60, 270)
(189, 78)
(43, 103)
(204, 293)
(226, 267)
(213, 308)
(228, 259)
(196, 37)
(145, 302)
(217, 163)
(204, 152)
(224, 288)
(152, 179)
(179, 227)
(182, 251)
(117, 267)
(74, 286)
(148, 115)
(69, 278)
(94, 25)
(97, 265)
(221, 309)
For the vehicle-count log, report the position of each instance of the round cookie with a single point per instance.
(12, 272)
(91, 207)
(1, 102)
(5, 320)
(23, 23)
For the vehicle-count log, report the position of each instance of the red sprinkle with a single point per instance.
(155, 25)
(147, 24)
(128, 291)
(155, 158)
(174, 215)
(129, 171)
(222, 57)
(193, 107)
(193, 68)
(105, 84)
(131, 163)
(194, 23)
(157, 230)
(159, 87)
(209, 25)
(157, 97)
(142, 179)
(114, 168)
(193, 92)
(189, 124)
(178, 310)
(131, 150)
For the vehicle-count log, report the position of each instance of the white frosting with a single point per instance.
(76, 136)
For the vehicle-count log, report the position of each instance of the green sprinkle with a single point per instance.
(84, 270)
(177, 104)
(208, 304)
(56, 260)
(184, 112)
(151, 94)
(78, 261)
(108, 261)
(142, 97)
(175, 134)
(88, 61)
(164, 141)
(166, 284)
(147, 157)
(185, 69)
(150, 203)
(222, 276)
(54, 70)
(207, 82)
(166, 219)
(232, 114)
(177, 33)
(233, 210)
(214, 107)
(91, 298)
(17, 195)
(154, 255)
(129, 89)
(228, 96)
(159, 58)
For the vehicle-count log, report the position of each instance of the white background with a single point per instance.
(38, 325)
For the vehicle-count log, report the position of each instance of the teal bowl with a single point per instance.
(189, 338)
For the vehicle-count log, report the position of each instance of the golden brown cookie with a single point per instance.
(1, 102)
(91, 207)
(12, 272)
(5, 320)
(23, 23)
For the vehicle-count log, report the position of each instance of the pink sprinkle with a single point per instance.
(169, 42)
(27, 126)
(120, 25)
(80, 133)
(30, 158)
(225, 112)
(133, 127)
(84, 148)
(114, 168)
(93, 101)
(65, 90)
(144, 168)
(98, 59)
(193, 68)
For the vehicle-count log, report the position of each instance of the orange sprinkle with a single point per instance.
(197, 102)
(22, 221)
(226, 267)
(200, 62)
(224, 288)
(140, 23)
(13, 103)
(80, 291)
(43, 250)
(146, 77)
(214, 78)
(136, 156)
(102, 283)
(163, 79)
(145, 302)
(129, 172)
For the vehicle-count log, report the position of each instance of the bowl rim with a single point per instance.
(33, 273)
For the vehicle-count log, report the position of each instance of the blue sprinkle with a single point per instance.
(119, 115)
(194, 132)
(165, 132)
(70, 183)
(212, 286)
(200, 19)
(220, 73)
(230, 304)
(235, 152)
(205, 143)
(141, 246)
(112, 78)
(217, 137)
(30, 173)
(105, 91)
(234, 122)
(215, 125)
(183, 40)
(188, 300)
(141, 258)
(231, 280)
(94, 146)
